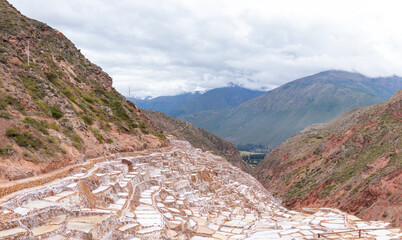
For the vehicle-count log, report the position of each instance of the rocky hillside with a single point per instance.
(353, 163)
(198, 137)
(58, 108)
(276, 115)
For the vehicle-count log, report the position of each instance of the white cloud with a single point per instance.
(168, 47)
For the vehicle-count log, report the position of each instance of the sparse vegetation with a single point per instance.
(55, 112)
(75, 139)
(8, 100)
(251, 158)
(87, 119)
(24, 139)
(98, 136)
(326, 191)
(41, 126)
(57, 89)
(354, 156)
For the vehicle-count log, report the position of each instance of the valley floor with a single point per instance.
(181, 193)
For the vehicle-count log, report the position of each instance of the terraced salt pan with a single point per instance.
(181, 207)
(10, 232)
(100, 189)
(38, 231)
(128, 226)
(85, 223)
(38, 204)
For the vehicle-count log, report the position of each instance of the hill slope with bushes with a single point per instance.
(353, 163)
(58, 108)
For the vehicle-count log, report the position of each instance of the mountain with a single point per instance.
(220, 98)
(198, 137)
(353, 163)
(215, 99)
(58, 108)
(274, 116)
(170, 105)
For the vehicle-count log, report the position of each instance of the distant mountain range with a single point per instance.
(274, 116)
(353, 163)
(189, 103)
(170, 105)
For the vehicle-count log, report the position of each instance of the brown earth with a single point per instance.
(198, 137)
(353, 163)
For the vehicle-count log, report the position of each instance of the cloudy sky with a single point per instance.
(167, 47)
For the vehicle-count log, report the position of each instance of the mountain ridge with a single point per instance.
(353, 163)
(274, 116)
(188, 103)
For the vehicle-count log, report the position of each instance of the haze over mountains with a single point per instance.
(188, 103)
(271, 118)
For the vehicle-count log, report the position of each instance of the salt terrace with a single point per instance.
(182, 193)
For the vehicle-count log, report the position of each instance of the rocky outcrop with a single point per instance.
(58, 108)
(353, 163)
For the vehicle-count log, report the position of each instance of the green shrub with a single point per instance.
(42, 126)
(118, 110)
(54, 126)
(132, 125)
(55, 112)
(6, 100)
(105, 126)
(5, 115)
(3, 59)
(12, 132)
(87, 119)
(161, 137)
(24, 139)
(98, 136)
(51, 76)
(326, 191)
(75, 139)
(68, 93)
(143, 125)
(88, 99)
(33, 87)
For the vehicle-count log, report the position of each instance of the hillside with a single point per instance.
(353, 163)
(198, 137)
(58, 108)
(215, 99)
(220, 98)
(277, 114)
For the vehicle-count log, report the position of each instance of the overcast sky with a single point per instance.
(167, 47)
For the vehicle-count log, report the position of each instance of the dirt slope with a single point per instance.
(353, 163)
(198, 137)
(59, 108)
